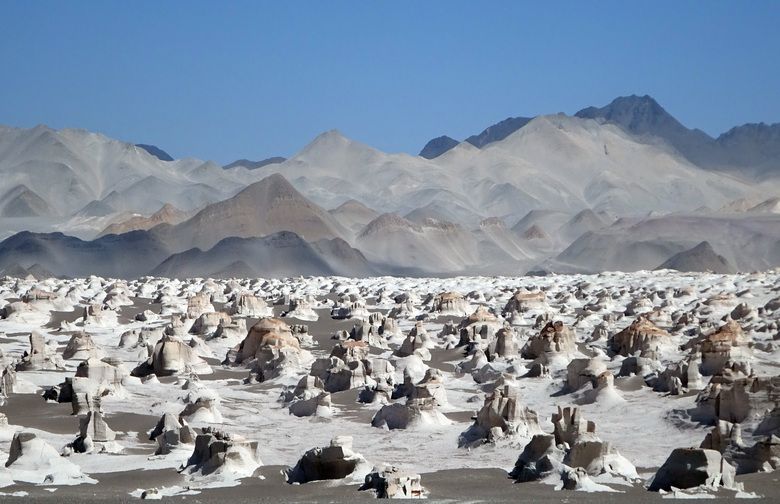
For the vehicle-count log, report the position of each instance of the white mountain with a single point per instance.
(556, 162)
(76, 171)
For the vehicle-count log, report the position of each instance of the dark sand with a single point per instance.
(461, 485)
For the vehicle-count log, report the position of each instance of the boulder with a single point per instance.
(642, 337)
(694, 467)
(390, 482)
(501, 416)
(553, 341)
(171, 355)
(333, 462)
(217, 452)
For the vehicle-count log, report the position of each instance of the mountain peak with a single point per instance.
(438, 146)
(637, 114)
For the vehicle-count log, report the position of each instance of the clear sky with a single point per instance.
(252, 79)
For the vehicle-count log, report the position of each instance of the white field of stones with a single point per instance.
(660, 380)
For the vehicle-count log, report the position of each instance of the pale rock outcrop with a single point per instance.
(501, 416)
(349, 367)
(390, 482)
(430, 387)
(301, 309)
(555, 341)
(171, 432)
(80, 346)
(450, 303)
(33, 460)
(762, 456)
(743, 400)
(7, 381)
(478, 329)
(572, 445)
(230, 333)
(350, 310)
(693, 467)
(199, 304)
(334, 462)
(218, 452)
(247, 304)
(679, 377)
(417, 342)
(726, 345)
(580, 372)
(207, 323)
(40, 357)
(171, 355)
(642, 337)
(523, 301)
(540, 457)
(95, 435)
(365, 331)
(504, 344)
(416, 412)
(201, 408)
(98, 315)
(25, 313)
(308, 398)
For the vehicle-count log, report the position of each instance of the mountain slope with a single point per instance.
(69, 168)
(263, 208)
(353, 215)
(253, 165)
(129, 255)
(498, 131)
(431, 246)
(747, 242)
(438, 146)
(281, 254)
(167, 214)
(702, 257)
(750, 149)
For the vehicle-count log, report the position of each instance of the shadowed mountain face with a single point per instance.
(493, 133)
(498, 131)
(156, 152)
(702, 257)
(438, 146)
(281, 254)
(129, 255)
(139, 253)
(253, 165)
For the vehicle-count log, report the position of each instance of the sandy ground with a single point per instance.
(449, 474)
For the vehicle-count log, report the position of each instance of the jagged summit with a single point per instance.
(438, 146)
(637, 114)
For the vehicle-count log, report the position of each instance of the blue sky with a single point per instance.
(254, 79)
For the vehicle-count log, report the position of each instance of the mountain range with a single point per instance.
(625, 186)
